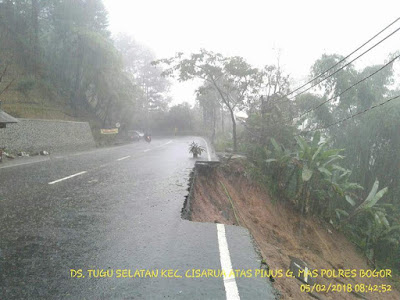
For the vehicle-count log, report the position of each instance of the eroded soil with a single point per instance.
(279, 231)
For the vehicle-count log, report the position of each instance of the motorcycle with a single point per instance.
(147, 138)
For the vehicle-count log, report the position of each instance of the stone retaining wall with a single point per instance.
(31, 135)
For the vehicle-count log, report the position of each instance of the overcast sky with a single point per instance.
(301, 31)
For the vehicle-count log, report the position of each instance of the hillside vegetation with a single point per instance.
(330, 150)
(59, 61)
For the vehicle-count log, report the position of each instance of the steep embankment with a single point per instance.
(30, 97)
(225, 195)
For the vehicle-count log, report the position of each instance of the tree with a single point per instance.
(180, 117)
(269, 113)
(6, 86)
(231, 77)
(35, 35)
(154, 88)
(372, 142)
(209, 101)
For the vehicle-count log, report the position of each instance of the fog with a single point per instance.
(261, 31)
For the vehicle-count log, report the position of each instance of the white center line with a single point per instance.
(68, 177)
(122, 158)
(167, 143)
(231, 289)
(158, 146)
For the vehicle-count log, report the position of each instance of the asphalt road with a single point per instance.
(121, 211)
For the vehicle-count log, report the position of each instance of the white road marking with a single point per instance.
(68, 177)
(122, 158)
(147, 150)
(24, 163)
(231, 289)
(306, 274)
(208, 151)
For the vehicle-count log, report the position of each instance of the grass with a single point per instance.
(30, 97)
(222, 143)
(29, 111)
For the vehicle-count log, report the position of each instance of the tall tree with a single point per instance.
(35, 36)
(231, 77)
(137, 63)
(209, 100)
(270, 109)
(370, 141)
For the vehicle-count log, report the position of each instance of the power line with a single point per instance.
(339, 62)
(341, 68)
(334, 97)
(357, 114)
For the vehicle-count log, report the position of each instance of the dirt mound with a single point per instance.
(223, 194)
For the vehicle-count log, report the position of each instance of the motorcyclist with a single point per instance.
(147, 137)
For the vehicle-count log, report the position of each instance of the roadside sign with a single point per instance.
(109, 131)
(118, 125)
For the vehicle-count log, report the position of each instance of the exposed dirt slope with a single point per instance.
(279, 231)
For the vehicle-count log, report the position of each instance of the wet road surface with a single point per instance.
(113, 209)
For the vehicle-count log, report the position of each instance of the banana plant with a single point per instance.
(369, 205)
(340, 192)
(282, 159)
(315, 157)
(313, 164)
(373, 197)
(316, 162)
(281, 155)
(369, 222)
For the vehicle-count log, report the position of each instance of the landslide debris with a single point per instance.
(224, 193)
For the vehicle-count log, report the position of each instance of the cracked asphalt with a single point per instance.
(120, 210)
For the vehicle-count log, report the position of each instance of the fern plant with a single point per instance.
(196, 149)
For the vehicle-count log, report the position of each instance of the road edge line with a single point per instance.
(208, 151)
(231, 289)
